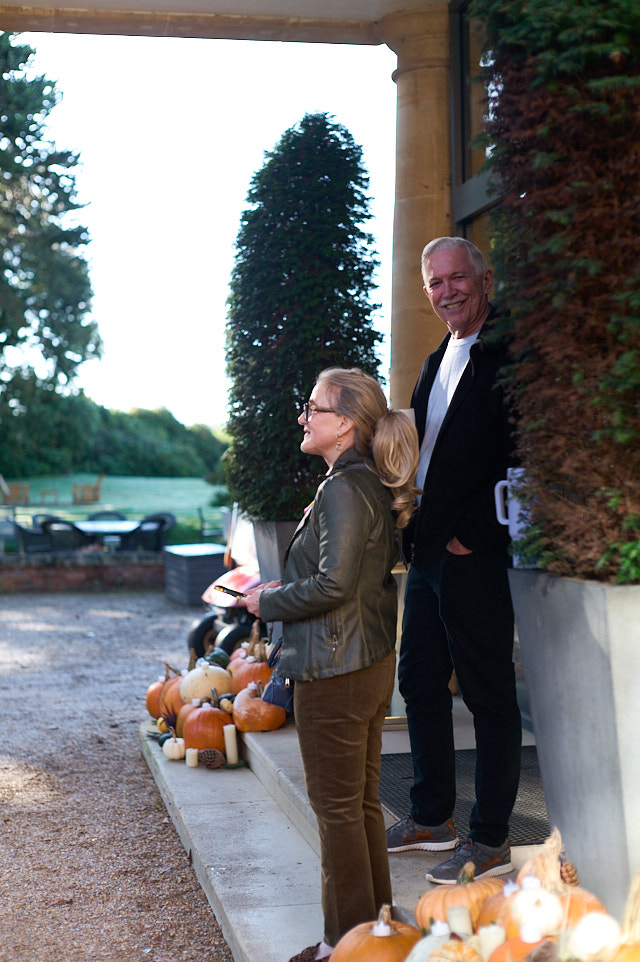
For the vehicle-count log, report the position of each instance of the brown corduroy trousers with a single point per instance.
(339, 723)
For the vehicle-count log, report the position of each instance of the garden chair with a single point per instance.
(148, 536)
(87, 493)
(14, 492)
(205, 530)
(31, 540)
(65, 536)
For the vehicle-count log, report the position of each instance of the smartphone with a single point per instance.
(229, 591)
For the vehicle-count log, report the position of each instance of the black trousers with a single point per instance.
(458, 614)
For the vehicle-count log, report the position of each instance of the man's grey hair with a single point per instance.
(447, 244)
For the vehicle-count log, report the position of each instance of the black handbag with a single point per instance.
(279, 689)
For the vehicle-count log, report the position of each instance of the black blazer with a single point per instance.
(473, 450)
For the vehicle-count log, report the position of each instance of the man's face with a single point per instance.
(458, 295)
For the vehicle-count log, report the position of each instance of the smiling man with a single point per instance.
(457, 611)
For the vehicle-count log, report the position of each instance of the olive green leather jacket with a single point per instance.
(338, 600)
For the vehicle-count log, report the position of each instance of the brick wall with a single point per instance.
(90, 571)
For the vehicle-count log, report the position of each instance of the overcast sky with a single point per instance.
(170, 132)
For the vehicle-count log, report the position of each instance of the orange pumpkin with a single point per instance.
(513, 950)
(252, 714)
(203, 727)
(381, 941)
(433, 905)
(152, 698)
(171, 701)
(254, 666)
(493, 909)
(184, 713)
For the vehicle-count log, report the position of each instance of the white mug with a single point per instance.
(509, 508)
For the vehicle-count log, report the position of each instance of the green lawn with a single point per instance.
(133, 497)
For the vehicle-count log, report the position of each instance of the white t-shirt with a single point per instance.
(456, 358)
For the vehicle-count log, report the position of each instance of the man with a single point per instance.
(458, 611)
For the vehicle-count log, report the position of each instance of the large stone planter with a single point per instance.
(272, 539)
(580, 643)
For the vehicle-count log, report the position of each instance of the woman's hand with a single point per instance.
(252, 599)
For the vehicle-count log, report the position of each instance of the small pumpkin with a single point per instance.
(594, 932)
(534, 907)
(203, 727)
(198, 682)
(467, 891)
(217, 656)
(252, 714)
(494, 906)
(174, 748)
(381, 941)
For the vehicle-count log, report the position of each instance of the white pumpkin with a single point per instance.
(198, 682)
(536, 907)
(592, 933)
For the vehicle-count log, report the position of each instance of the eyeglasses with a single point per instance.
(309, 409)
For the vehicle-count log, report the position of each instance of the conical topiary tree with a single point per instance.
(299, 302)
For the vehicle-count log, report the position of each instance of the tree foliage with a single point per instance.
(299, 302)
(59, 434)
(563, 126)
(45, 291)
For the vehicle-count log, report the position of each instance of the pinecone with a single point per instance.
(568, 872)
(211, 758)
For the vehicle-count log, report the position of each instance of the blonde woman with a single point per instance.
(338, 604)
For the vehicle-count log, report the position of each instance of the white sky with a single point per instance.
(170, 132)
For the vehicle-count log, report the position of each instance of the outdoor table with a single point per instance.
(105, 526)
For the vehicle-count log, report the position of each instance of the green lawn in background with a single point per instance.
(134, 497)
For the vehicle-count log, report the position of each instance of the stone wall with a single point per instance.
(92, 571)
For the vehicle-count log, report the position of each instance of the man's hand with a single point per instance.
(455, 547)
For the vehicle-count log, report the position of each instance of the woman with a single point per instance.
(338, 606)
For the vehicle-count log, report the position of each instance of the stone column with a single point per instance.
(423, 180)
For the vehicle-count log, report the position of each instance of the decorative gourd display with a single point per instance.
(203, 726)
(254, 666)
(174, 748)
(381, 941)
(422, 950)
(433, 905)
(198, 682)
(252, 714)
(547, 865)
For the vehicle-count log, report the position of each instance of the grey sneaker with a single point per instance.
(487, 860)
(407, 834)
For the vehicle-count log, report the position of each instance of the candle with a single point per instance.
(230, 744)
(459, 919)
(491, 936)
(192, 757)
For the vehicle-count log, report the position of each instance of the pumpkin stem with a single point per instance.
(467, 873)
(382, 927)
(171, 670)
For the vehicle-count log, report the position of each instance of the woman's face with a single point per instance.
(323, 427)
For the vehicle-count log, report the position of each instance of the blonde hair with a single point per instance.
(389, 437)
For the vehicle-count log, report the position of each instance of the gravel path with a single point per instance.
(91, 867)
